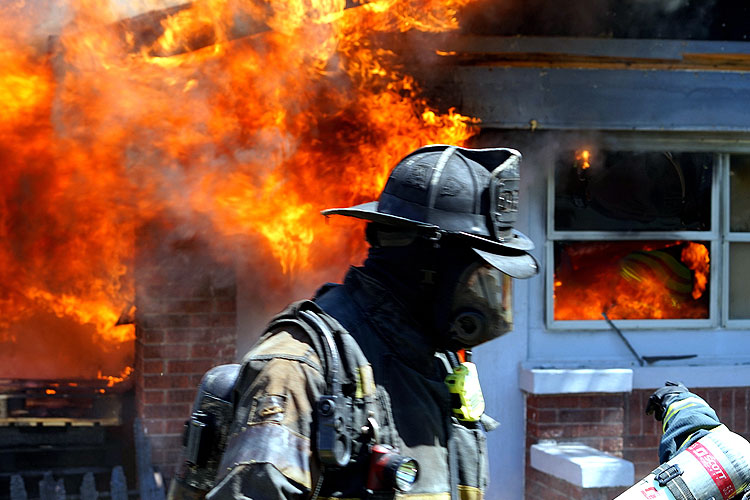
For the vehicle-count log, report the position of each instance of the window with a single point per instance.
(737, 241)
(634, 235)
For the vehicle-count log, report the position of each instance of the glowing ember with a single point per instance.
(112, 380)
(583, 158)
(238, 121)
(630, 280)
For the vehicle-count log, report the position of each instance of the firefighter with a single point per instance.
(360, 392)
(685, 418)
(701, 459)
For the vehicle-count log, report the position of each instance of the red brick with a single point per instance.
(740, 410)
(543, 486)
(643, 470)
(725, 411)
(139, 380)
(212, 351)
(583, 401)
(643, 456)
(635, 408)
(569, 416)
(612, 415)
(602, 493)
(183, 306)
(154, 426)
(580, 430)
(648, 441)
(165, 442)
(195, 335)
(181, 395)
(190, 366)
(165, 321)
(225, 305)
(562, 487)
(153, 396)
(211, 320)
(152, 366)
(601, 443)
(650, 426)
(168, 382)
(544, 431)
(151, 335)
(166, 351)
(166, 411)
(228, 354)
(533, 400)
(175, 426)
(139, 404)
(711, 396)
(612, 445)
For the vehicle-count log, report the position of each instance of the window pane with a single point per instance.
(626, 191)
(631, 280)
(739, 189)
(739, 285)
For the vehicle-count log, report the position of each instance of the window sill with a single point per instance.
(571, 381)
(549, 380)
(581, 465)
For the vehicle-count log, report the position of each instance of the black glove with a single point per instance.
(661, 399)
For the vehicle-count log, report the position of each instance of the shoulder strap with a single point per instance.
(334, 345)
(336, 429)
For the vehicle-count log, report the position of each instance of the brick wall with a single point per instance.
(615, 423)
(185, 324)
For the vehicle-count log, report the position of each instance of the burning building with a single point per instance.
(164, 170)
(164, 173)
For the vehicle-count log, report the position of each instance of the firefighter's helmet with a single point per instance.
(467, 193)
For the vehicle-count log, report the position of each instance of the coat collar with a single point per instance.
(391, 320)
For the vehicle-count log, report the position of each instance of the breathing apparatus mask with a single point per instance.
(454, 292)
(481, 306)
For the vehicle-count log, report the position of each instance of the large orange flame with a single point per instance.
(631, 280)
(238, 119)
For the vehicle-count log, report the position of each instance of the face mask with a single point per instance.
(481, 307)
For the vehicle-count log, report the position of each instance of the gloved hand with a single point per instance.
(661, 399)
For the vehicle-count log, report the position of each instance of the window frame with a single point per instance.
(719, 247)
(729, 237)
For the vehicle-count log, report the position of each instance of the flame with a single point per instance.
(113, 379)
(238, 121)
(596, 277)
(696, 257)
(583, 158)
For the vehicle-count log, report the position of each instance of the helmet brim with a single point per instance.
(369, 211)
(519, 266)
(509, 256)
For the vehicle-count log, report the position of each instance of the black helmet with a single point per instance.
(468, 193)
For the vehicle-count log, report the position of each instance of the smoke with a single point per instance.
(646, 19)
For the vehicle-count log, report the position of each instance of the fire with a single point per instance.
(631, 280)
(696, 257)
(583, 159)
(112, 380)
(237, 121)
